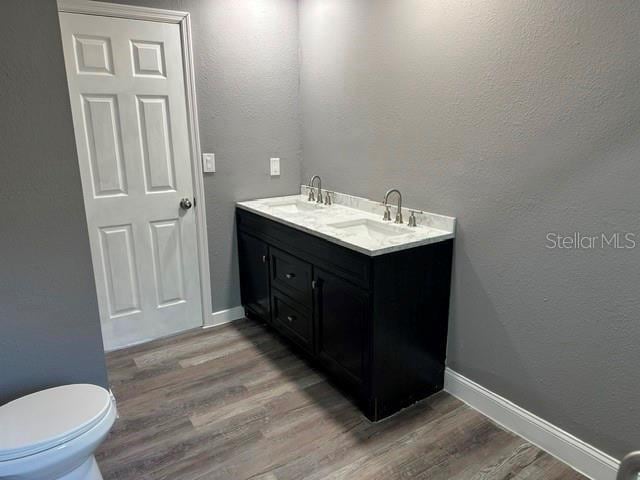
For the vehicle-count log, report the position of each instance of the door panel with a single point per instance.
(126, 86)
(157, 148)
(93, 55)
(167, 262)
(104, 144)
(148, 58)
(118, 258)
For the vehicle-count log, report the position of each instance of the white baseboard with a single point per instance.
(581, 456)
(225, 316)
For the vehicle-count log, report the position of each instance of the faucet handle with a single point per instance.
(312, 197)
(412, 218)
(327, 197)
(387, 213)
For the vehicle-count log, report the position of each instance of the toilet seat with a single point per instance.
(48, 418)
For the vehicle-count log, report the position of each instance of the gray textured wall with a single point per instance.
(246, 62)
(49, 324)
(519, 118)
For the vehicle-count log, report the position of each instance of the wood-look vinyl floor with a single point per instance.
(234, 402)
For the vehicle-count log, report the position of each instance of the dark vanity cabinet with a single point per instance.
(377, 325)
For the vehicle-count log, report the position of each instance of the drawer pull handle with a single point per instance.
(291, 318)
(290, 275)
(264, 259)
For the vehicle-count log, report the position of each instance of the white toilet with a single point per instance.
(53, 434)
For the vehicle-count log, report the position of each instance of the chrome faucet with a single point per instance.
(311, 195)
(387, 213)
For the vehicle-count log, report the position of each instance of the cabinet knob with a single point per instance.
(291, 318)
(290, 275)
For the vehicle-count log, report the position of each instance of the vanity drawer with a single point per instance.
(292, 321)
(291, 275)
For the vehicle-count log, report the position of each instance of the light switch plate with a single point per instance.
(275, 166)
(208, 162)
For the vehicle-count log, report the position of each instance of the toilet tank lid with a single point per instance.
(50, 417)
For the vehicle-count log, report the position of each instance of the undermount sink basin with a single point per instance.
(295, 206)
(364, 227)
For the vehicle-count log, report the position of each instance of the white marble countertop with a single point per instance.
(353, 222)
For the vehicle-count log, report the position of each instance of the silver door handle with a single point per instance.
(629, 467)
(185, 204)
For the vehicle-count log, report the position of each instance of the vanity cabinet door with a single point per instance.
(253, 257)
(342, 322)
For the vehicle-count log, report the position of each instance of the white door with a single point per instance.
(126, 84)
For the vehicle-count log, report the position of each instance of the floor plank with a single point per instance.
(234, 402)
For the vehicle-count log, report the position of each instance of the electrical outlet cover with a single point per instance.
(275, 167)
(208, 162)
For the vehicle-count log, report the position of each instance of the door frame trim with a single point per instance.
(183, 19)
